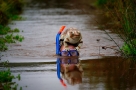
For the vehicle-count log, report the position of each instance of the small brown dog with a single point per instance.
(71, 36)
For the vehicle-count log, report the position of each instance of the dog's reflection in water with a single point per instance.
(71, 70)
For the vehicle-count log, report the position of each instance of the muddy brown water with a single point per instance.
(35, 60)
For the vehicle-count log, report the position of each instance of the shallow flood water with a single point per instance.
(109, 73)
(43, 21)
(35, 60)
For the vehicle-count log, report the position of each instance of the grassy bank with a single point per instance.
(9, 10)
(121, 16)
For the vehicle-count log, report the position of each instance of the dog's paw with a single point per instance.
(77, 48)
(67, 49)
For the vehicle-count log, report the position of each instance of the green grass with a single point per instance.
(129, 48)
(9, 37)
(6, 78)
(9, 10)
(123, 15)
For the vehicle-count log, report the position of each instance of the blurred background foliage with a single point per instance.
(121, 18)
(9, 9)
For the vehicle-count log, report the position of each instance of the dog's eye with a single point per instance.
(71, 33)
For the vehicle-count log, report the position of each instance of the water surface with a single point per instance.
(35, 60)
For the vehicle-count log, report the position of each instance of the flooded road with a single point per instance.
(110, 73)
(43, 21)
(35, 60)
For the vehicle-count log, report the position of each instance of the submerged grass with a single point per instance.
(123, 21)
